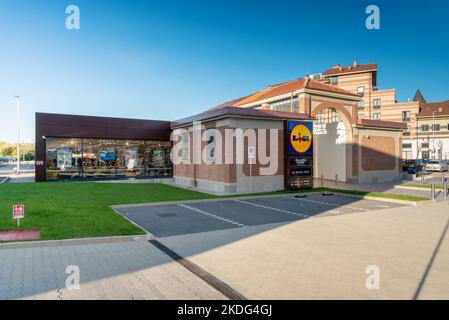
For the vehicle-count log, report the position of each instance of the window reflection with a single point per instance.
(63, 158)
(99, 158)
(157, 156)
(130, 158)
(70, 158)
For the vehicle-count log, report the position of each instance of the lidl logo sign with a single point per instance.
(301, 137)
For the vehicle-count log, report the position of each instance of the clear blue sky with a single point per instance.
(170, 59)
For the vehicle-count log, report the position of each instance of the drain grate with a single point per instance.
(167, 215)
(210, 279)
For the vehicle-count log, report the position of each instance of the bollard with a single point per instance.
(422, 177)
(442, 176)
(322, 180)
(336, 179)
(432, 191)
(445, 190)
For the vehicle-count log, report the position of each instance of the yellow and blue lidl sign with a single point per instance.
(300, 140)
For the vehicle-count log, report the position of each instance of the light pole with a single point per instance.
(18, 133)
(433, 133)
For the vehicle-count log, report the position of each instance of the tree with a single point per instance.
(29, 156)
(8, 151)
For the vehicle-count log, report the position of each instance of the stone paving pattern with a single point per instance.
(326, 258)
(127, 270)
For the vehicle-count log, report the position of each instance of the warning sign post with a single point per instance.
(18, 212)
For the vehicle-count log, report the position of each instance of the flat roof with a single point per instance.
(229, 111)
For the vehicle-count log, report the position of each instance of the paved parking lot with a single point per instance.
(203, 216)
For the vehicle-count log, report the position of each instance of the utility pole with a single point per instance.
(18, 133)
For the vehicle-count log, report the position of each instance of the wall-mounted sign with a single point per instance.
(300, 135)
(251, 152)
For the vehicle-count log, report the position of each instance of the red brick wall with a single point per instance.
(227, 172)
(378, 153)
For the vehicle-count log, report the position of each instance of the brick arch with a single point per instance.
(337, 106)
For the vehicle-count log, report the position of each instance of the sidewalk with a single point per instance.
(122, 270)
(380, 187)
(331, 257)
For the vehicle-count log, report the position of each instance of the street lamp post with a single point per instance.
(433, 133)
(18, 133)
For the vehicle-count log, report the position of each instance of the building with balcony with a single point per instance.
(426, 135)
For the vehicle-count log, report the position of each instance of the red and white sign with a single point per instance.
(18, 211)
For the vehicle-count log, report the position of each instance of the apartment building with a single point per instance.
(427, 132)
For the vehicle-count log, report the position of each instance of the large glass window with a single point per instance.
(102, 158)
(130, 158)
(158, 163)
(63, 158)
(99, 158)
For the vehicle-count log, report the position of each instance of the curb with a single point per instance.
(417, 188)
(71, 242)
(5, 180)
(149, 235)
(406, 202)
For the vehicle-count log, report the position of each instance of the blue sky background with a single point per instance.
(170, 59)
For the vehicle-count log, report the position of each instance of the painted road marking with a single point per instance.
(381, 206)
(272, 208)
(213, 215)
(328, 203)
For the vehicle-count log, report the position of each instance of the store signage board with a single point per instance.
(18, 212)
(300, 138)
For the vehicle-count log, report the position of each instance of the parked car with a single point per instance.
(407, 164)
(414, 169)
(422, 162)
(437, 165)
(413, 165)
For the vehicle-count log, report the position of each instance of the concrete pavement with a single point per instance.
(327, 258)
(124, 270)
(322, 258)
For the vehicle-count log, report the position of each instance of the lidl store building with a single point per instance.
(318, 134)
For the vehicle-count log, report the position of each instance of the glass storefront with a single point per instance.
(68, 158)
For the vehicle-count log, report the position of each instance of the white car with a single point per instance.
(437, 165)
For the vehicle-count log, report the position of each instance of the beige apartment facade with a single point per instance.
(426, 135)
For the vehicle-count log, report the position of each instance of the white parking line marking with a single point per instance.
(327, 203)
(213, 215)
(271, 208)
(381, 206)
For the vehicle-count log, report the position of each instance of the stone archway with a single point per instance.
(333, 138)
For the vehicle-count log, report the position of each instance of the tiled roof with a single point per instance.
(382, 124)
(440, 108)
(289, 87)
(350, 69)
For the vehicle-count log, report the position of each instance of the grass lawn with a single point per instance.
(79, 210)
